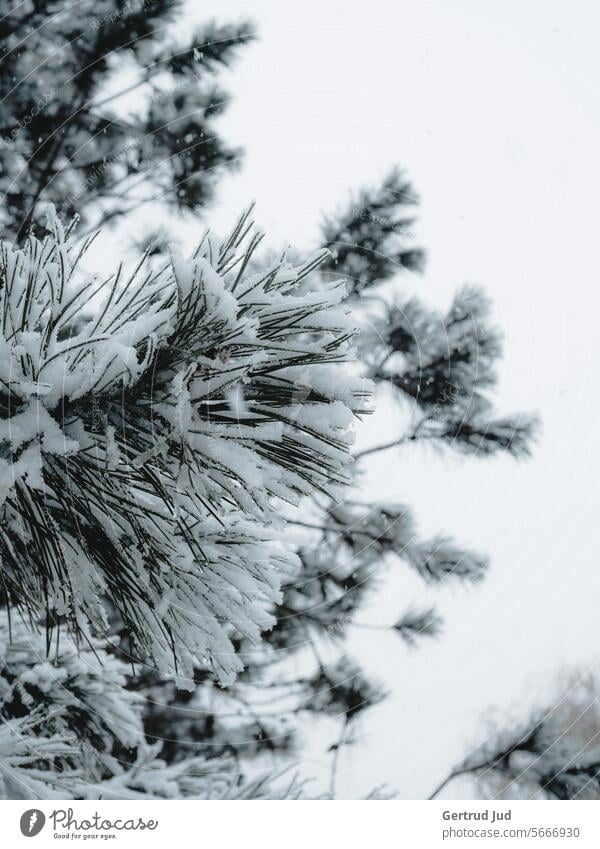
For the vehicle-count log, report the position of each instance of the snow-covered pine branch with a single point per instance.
(70, 728)
(151, 424)
(66, 135)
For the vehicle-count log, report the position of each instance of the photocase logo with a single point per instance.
(32, 822)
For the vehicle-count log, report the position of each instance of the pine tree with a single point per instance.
(72, 729)
(146, 448)
(554, 754)
(226, 343)
(67, 139)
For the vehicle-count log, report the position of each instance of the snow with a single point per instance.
(187, 392)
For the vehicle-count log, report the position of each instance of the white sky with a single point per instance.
(494, 110)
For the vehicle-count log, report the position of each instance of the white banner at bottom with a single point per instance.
(309, 825)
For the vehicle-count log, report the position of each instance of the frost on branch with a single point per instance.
(151, 425)
(69, 728)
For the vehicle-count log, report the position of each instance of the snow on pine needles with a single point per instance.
(147, 443)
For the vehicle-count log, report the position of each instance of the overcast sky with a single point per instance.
(493, 109)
